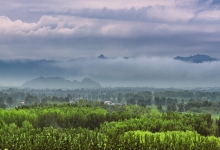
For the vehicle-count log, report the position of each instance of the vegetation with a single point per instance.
(93, 125)
(135, 119)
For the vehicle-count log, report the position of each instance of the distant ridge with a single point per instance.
(196, 58)
(102, 56)
(59, 83)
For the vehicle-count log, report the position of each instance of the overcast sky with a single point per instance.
(69, 29)
(55, 29)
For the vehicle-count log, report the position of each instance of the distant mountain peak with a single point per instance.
(101, 56)
(199, 58)
(87, 79)
(104, 57)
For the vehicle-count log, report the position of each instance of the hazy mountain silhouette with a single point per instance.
(102, 56)
(60, 83)
(196, 58)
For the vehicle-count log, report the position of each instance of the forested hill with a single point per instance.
(196, 58)
(59, 82)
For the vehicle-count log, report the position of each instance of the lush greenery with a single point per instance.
(93, 125)
(135, 119)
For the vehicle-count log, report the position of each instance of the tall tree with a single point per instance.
(10, 101)
(2, 103)
(180, 107)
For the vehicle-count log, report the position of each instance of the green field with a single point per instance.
(92, 125)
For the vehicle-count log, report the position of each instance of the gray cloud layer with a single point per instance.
(146, 71)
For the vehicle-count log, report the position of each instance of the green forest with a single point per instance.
(139, 120)
(93, 125)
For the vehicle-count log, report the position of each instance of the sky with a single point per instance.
(144, 30)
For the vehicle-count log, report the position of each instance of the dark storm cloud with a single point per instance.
(216, 2)
(125, 14)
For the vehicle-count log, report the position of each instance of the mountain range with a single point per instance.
(196, 58)
(60, 83)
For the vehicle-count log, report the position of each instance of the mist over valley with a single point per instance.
(140, 71)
